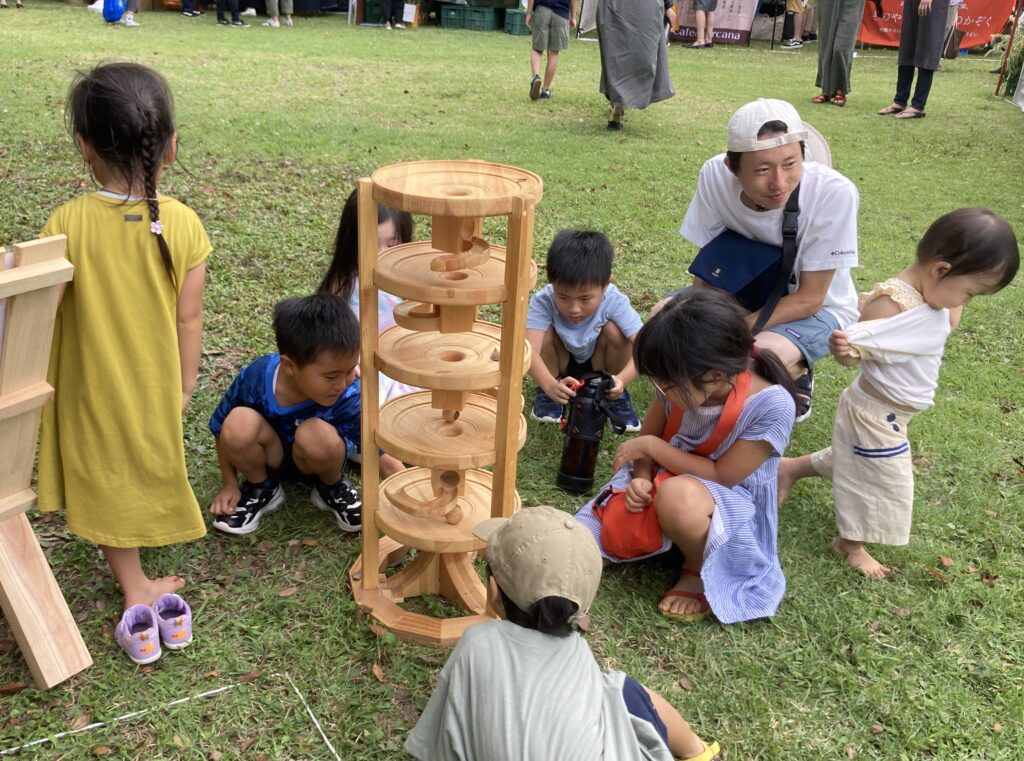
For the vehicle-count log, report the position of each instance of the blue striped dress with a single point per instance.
(741, 573)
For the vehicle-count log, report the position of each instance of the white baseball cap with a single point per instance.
(748, 120)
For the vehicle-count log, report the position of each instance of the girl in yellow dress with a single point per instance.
(126, 344)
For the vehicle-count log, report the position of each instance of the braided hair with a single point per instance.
(125, 112)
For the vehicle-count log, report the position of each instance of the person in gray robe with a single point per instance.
(838, 24)
(634, 54)
(921, 38)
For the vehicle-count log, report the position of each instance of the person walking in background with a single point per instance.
(550, 22)
(391, 10)
(285, 7)
(634, 54)
(921, 38)
(704, 12)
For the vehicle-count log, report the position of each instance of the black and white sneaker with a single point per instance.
(342, 501)
(257, 501)
(804, 389)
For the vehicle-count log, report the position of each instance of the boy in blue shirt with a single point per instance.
(293, 416)
(580, 323)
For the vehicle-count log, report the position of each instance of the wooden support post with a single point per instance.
(32, 602)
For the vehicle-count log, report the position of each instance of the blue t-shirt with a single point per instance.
(580, 340)
(560, 7)
(254, 388)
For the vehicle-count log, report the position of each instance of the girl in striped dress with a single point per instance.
(721, 509)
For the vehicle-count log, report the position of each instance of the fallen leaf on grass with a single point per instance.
(310, 542)
(246, 744)
(212, 674)
(938, 575)
(287, 591)
(945, 562)
(991, 513)
(12, 688)
(252, 676)
(378, 629)
(997, 727)
(180, 741)
(850, 752)
(900, 612)
(378, 672)
(102, 750)
(988, 578)
(264, 546)
(216, 755)
(971, 568)
(82, 721)
(877, 729)
(685, 683)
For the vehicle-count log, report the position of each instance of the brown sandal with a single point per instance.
(893, 109)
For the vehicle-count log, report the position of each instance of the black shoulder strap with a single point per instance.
(790, 224)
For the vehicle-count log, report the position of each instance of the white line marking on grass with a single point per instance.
(310, 712)
(125, 717)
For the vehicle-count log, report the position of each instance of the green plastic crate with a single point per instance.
(481, 19)
(515, 22)
(371, 12)
(453, 16)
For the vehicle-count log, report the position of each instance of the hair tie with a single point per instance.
(157, 227)
(755, 352)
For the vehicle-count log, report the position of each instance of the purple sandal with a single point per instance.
(174, 617)
(138, 635)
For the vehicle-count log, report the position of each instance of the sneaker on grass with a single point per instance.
(804, 388)
(257, 501)
(792, 44)
(248, 12)
(342, 501)
(623, 407)
(545, 409)
(535, 87)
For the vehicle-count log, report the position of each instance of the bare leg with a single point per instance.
(709, 29)
(785, 349)
(791, 470)
(390, 465)
(859, 558)
(138, 589)
(699, 42)
(681, 740)
(249, 445)
(535, 59)
(553, 353)
(613, 350)
(319, 450)
(684, 507)
(549, 71)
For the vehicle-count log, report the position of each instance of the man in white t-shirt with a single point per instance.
(745, 190)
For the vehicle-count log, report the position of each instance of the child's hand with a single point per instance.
(226, 501)
(617, 388)
(632, 450)
(562, 389)
(839, 344)
(670, 15)
(638, 494)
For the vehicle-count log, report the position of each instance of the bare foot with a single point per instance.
(147, 593)
(786, 480)
(859, 558)
(676, 604)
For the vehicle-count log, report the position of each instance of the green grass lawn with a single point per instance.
(275, 126)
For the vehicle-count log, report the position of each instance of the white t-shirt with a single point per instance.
(514, 694)
(581, 340)
(826, 237)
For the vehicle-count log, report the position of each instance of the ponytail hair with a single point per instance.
(341, 275)
(125, 112)
(699, 330)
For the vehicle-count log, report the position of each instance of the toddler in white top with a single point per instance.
(898, 343)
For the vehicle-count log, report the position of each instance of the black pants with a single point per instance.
(391, 10)
(233, 5)
(904, 78)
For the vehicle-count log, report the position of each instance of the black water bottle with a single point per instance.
(583, 429)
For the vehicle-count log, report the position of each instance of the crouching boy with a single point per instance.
(527, 686)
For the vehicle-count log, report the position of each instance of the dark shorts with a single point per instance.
(638, 703)
(576, 369)
(705, 5)
(288, 471)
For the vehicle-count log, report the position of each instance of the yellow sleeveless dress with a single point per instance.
(111, 447)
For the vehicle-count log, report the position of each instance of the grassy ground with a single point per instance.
(275, 126)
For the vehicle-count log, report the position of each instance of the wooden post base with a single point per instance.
(450, 575)
(35, 608)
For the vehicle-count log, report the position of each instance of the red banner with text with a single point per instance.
(978, 19)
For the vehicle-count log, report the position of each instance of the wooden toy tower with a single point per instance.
(32, 602)
(469, 415)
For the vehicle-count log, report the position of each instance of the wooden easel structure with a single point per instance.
(470, 416)
(32, 602)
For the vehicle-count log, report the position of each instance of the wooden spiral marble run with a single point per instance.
(469, 416)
